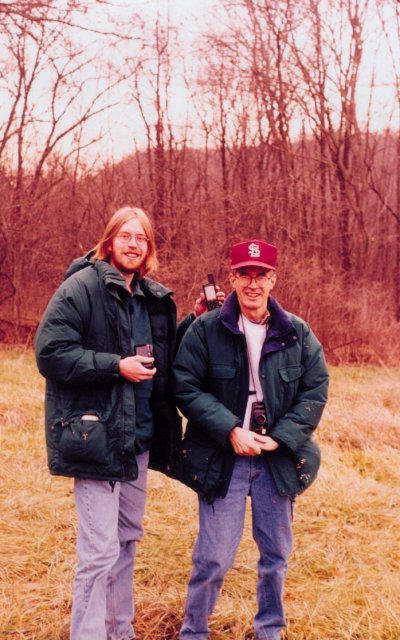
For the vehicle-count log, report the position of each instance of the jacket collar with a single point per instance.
(155, 288)
(78, 264)
(281, 332)
(106, 272)
(229, 313)
(112, 278)
(115, 280)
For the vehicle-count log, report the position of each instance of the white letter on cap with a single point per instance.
(254, 250)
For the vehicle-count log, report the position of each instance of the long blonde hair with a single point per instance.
(102, 248)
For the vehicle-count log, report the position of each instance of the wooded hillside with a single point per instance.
(275, 147)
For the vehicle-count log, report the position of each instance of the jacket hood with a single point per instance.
(78, 264)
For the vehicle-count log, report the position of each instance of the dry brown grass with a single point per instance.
(343, 581)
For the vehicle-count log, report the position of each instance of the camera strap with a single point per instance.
(252, 391)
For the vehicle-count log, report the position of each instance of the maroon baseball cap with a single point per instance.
(253, 253)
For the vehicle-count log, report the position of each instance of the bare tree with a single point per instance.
(54, 85)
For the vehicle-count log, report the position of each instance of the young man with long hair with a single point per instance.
(105, 346)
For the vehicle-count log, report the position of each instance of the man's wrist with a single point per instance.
(233, 430)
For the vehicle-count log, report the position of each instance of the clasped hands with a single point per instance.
(249, 443)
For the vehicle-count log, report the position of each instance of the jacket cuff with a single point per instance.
(282, 445)
(107, 364)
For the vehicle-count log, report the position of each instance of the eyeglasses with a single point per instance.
(125, 238)
(261, 279)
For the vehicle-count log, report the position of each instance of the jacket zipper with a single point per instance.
(241, 352)
(122, 410)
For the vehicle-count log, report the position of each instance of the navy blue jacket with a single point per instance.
(83, 334)
(211, 385)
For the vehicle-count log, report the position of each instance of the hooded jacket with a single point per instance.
(84, 333)
(211, 385)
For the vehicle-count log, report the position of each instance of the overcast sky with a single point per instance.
(123, 126)
(193, 17)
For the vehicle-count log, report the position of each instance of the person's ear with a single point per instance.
(232, 280)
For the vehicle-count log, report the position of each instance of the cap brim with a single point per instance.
(252, 263)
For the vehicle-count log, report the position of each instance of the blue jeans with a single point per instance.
(109, 525)
(221, 529)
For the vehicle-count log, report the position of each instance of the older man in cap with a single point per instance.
(252, 380)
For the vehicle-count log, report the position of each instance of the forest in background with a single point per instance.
(273, 146)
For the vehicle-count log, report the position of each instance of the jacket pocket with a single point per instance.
(221, 382)
(84, 441)
(222, 371)
(288, 385)
(202, 467)
(290, 373)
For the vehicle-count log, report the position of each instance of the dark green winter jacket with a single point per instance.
(83, 334)
(211, 384)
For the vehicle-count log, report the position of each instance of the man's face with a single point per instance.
(128, 248)
(253, 286)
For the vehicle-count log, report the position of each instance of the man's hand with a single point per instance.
(200, 306)
(131, 368)
(249, 443)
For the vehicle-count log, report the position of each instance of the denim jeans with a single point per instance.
(109, 525)
(221, 529)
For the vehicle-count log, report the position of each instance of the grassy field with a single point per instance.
(344, 576)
